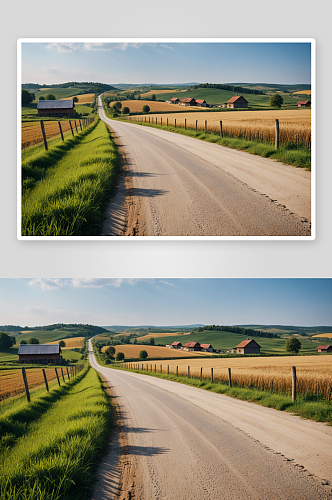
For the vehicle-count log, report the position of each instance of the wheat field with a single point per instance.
(11, 381)
(307, 92)
(72, 343)
(294, 125)
(314, 375)
(82, 98)
(324, 335)
(31, 131)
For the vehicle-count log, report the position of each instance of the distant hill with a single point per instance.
(275, 86)
(303, 330)
(81, 87)
(72, 328)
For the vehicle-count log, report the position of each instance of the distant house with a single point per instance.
(40, 353)
(175, 100)
(237, 102)
(201, 102)
(56, 108)
(176, 345)
(248, 347)
(304, 104)
(324, 348)
(207, 348)
(188, 101)
(191, 346)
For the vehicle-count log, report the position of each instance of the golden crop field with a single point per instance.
(267, 373)
(72, 343)
(32, 134)
(155, 106)
(82, 98)
(133, 350)
(324, 335)
(11, 381)
(308, 92)
(294, 125)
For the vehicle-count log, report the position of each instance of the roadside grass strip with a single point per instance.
(65, 190)
(51, 447)
(289, 153)
(314, 407)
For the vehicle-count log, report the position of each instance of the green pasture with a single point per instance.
(69, 355)
(44, 336)
(8, 355)
(59, 93)
(218, 96)
(229, 340)
(65, 190)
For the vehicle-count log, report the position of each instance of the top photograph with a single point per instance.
(207, 139)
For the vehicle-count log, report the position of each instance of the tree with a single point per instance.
(146, 108)
(116, 108)
(151, 341)
(41, 98)
(120, 356)
(293, 345)
(126, 110)
(153, 97)
(110, 351)
(75, 99)
(62, 343)
(33, 340)
(276, 101)
(27, 97)
(143, 354)
(6, 341)
(23, 342)
(50, 97)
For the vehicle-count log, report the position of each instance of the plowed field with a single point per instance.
(11, 381)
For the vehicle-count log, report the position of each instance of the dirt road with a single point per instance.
(181, 186)
(184, 442)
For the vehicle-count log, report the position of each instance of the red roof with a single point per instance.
(206, 346)
(244, 343)
(174, 99)
(236, 97)
(176, 343)
(303, 102)
(200, 101)
(190, 344)
(324, 346)
(187, 99)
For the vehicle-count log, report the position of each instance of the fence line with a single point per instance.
(38, 132)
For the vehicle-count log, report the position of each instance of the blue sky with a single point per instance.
(32, 302)
(166, 62)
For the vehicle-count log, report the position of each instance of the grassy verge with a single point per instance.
(51, 447)
(291, 154)
(65, 190)
(305, 406)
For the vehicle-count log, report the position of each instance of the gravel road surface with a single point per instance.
(181, 186)
(186, 443)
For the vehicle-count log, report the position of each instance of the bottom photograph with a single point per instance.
(165, 388)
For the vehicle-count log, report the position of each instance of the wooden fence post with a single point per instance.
(277, 134)
(63, 377)
(205, 126)
(167, 122)
(211, 375)
(149, 119)
(188, 371)
(293, 383)
(201, 375)
(79, 121)
(161, 121)
(161, 368)
(177, 371)
(76, 126)
(44, 135)
(196, 126)
(61, 131)
(57, 376)
(167, 369)
(229, 377)
(185, 123)
(220, 129)
(155, 368)
(26, 385)
(68, 373)
(45, 380)
(71, 128)
(175, 122)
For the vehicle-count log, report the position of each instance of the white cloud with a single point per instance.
(48, 283)
(114, 46)
(101, 282)
(63, 47)
(167, 283)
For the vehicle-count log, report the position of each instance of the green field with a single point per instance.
(70, 355)
(8, 355)
(218, 96)
(65, 190)
(59, 93)
(43, 336)
(50, 447)
(228, 340)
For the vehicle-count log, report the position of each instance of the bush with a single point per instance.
(27, 97)
(276, 101)
(143, 354)
(293, 345)
(146, 108)
(126, 110)
(120, 356)
(33, 340)
(6, 341)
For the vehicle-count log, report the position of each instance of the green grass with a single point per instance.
(307, 406)
(8, 355)
(51, 447)
(69, 354)
(65, 190)
(59, 93)
(44, 336)
(291, 154)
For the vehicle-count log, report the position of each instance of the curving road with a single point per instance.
(186, 443)
(181, 186)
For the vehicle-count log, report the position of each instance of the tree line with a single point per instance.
(232, 88)
(237, 329)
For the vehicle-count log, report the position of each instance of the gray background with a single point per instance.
(152, 18)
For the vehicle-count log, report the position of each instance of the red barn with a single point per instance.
(192, 346)
(36, 353)
(188, 101)
(175, 100)
(56, 108)
(324, 348)
(248, 347)
(206, 348)
(176, 345)
(304, 104)
(237, 102)
(201, 102)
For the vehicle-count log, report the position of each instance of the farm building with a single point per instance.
(248, 347)
(176, 345)
(191, 346)
(206, 348)
(188, 101)
(304, 104)
(201, 102)
(237, 102)
(56, 108)
(324, 348)
(175, 100)
(35, 353)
